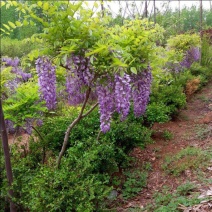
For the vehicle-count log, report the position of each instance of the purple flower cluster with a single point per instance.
(192, 55)
(116, 96)
(47, 81)
(106, 104)
(122, 95)
(17, 70)
(78, 76)
(141, 91)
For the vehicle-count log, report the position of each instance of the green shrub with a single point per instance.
(76, 186)
(157, 112)
(170, 95)
(15, 48)
(206, 52)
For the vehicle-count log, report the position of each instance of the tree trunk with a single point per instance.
(71, 126)
(154, 13)
(200, 15)
(179, 16)
(146, 12)
(102, 8)
(8, 166)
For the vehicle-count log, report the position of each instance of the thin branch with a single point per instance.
(98, 135)
(65, 142)
(91, 109)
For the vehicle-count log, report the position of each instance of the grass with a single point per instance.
(166, 201)
(203, 131)
(188, 158)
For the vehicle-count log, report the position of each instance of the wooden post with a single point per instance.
(8, 166)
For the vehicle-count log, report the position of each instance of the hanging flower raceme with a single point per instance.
(47, 81)
(106, 96)
(122, 95)
(192, 55)
(78, 76)
(141, 91)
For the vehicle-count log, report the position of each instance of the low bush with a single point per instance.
(15, 48)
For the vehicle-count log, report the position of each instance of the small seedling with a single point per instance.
(167, 135)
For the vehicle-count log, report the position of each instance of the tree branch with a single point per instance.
(88, 112)
(70, 127)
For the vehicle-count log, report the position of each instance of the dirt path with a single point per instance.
(192, 128)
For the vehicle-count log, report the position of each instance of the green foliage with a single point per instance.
(122, 136)
(77, 185)
(167, 135)
(183, 42)
(129, 134)
(16, 48)
(23, 104)
(185, 189)
(157, 112)
(206, 52)
(170, 95)
(134, 183)
(108, 47)
(188, 158)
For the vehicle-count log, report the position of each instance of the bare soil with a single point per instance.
(192, 127)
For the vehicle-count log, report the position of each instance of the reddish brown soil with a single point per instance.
(195, 117)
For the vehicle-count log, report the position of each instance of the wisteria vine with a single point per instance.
(115, 94)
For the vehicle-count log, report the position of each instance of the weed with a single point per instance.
(147, 166)
(188, 158)
(166, 201)
(167, 135)
(134, 183)
(186, 188)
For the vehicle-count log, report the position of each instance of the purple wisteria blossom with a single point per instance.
(21, 76)
(141, 91)
(106, 104)
(47, 81)
(192, 55)
(122, 95)
(79, 75)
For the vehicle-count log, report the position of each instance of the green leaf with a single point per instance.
(6, 26)
(133, 70)
(95, 51)
(117, 62)
(25, 23)
(45, 6)
(121, 73)
(91, 59)
(12, 24)
(40, 3)
(96, 4)
(2, 3)
(18, 23)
